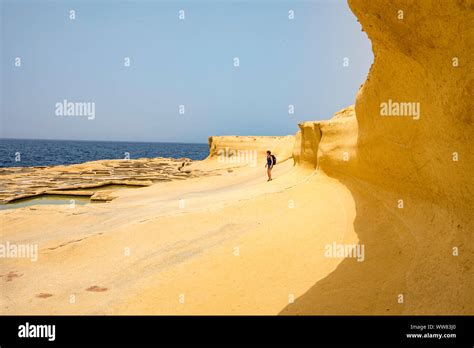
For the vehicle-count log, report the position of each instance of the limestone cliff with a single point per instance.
(238, 149)
(407, 159)
(338, 146)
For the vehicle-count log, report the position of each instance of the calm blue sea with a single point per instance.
(23, 153)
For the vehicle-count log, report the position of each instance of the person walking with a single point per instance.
(271, 161)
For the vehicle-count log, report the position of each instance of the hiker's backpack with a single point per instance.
(274, 159)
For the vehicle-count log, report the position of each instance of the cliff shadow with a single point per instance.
(373, 285)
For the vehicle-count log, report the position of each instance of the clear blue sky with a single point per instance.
(175, 62)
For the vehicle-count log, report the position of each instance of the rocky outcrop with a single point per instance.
(340, 138)
(249, 149)
(305, 151)
(407, 159)
(85, 178)
(422, 54)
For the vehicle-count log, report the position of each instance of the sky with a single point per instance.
(182, 83)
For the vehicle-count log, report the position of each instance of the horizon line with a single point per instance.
(108, 141)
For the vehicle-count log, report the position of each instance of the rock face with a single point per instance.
(340, 139)
(239, 149)
(426, 58)
(407, 159)
(305, 151)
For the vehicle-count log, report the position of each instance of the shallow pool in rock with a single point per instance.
(58, 199)
(46, 200)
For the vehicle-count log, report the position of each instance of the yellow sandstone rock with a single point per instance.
(372, 216)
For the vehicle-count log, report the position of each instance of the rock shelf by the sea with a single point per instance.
(84, 177)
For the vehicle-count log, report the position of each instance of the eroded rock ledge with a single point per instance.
(22, 182)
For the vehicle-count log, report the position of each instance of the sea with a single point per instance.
(27, 152)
